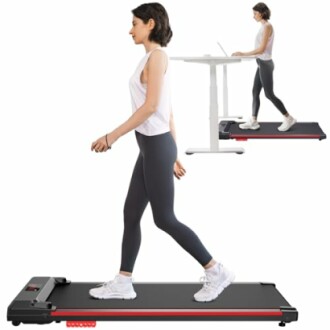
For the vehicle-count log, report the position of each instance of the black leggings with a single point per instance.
(153, 181)
(264, 79)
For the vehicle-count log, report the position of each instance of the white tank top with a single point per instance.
(267, 54)
(158, 122)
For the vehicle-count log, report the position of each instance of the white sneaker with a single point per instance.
(287, 124)
(250, 124)
(119, 288)
(216, 279)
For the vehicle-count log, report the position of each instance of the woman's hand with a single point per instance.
(237, 54)
(178, 170)
(103, 143)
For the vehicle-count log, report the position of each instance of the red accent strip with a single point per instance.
(270, 136)
(172, 313)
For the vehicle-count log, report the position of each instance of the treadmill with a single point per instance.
(45, 300)
(229, 129)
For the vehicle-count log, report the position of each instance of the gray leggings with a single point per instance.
(153, 181)
(264, 79)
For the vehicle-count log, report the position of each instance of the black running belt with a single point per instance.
(171, 296)
(269, 130)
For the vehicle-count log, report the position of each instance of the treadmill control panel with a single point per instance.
(32, 288)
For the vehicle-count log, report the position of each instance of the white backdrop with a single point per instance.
(64, 70)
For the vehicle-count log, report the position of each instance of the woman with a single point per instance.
(264, 75)
(152, 180)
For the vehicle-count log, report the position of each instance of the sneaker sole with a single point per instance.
(114, 296)
(252, 128)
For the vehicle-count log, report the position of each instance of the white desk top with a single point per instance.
(209, 59)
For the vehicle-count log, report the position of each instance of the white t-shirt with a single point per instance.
(158, 122)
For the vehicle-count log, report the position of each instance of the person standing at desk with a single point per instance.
(152, 180)
(264, 75)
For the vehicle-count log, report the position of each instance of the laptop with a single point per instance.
(242, 57)
(222, 48)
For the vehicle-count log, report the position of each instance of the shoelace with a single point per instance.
(103, 284)
(107, 284)
(206, 282)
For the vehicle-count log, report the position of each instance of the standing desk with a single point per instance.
(212, 62)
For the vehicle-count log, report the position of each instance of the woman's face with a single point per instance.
(257, 16)
(140, 31)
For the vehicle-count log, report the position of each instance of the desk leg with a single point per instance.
(214, 117)
(225, 91)
(214, 129)
(225, 94)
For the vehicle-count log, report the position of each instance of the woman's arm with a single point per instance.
(178, 169)
(154, 72)
(267, 33)
(172, 126)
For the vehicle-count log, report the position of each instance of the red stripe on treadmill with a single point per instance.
(270, 136)
(171, 313)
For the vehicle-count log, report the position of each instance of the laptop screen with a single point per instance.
(222, 48)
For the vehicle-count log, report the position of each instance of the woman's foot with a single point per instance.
(120, 288)
(250, 124)
(288, 122)
(216, 279)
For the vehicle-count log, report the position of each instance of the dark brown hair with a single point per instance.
(263, 10)
(162, 32)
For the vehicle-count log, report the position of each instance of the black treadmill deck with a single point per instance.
(155, 301)
(268, 130)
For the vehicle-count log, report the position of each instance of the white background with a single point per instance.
(64, 70)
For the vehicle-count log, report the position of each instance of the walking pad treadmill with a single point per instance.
(47, 299)
(268, 130)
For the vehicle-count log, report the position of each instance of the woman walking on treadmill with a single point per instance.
(264, 74)
(152, 179)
